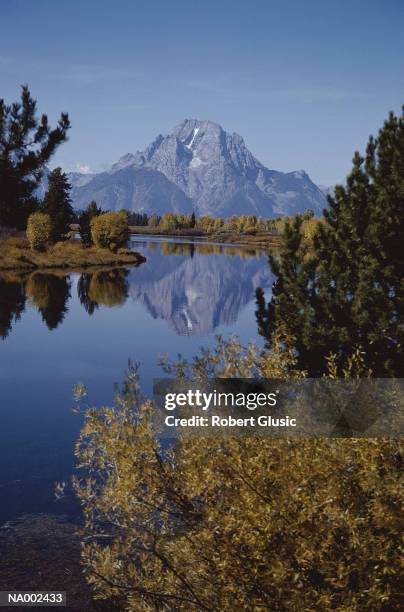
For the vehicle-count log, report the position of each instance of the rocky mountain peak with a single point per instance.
(213, 170)
(188, 129)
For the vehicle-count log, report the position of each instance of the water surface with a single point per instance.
(58, 329)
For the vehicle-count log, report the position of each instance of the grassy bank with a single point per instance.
(15, 254)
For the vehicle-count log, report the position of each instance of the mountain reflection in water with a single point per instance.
(195, 287)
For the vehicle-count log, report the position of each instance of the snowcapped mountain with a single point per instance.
(198, 167)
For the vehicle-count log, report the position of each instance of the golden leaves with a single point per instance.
(241, 523)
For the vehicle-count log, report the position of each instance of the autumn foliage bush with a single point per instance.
(237, 523)
(39, 231)
(110, 230)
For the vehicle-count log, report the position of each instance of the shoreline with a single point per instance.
(16, 256)
(260, 238)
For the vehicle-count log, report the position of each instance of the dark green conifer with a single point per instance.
(85, 218)
(57, 204)
(26, 145)
(347, 291)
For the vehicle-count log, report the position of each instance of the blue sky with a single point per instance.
(303, 81)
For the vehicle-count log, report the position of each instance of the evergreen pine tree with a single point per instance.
(26, 145)
(348, 291)
(193, 220)
(85, 218)
(57, 204)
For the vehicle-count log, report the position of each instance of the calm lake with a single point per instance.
(57, 330)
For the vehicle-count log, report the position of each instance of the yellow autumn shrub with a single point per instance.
(238, 523)
(39, 231)
(110, 230)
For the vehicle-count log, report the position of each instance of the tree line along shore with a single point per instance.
(236, 228)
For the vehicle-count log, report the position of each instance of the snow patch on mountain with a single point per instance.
(194, 135)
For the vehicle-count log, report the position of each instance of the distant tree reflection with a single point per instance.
(50, 294)
(107, 288)
(83, 287)
(208, 248)
(12, 304)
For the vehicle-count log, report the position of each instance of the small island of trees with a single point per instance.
(38, 233)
